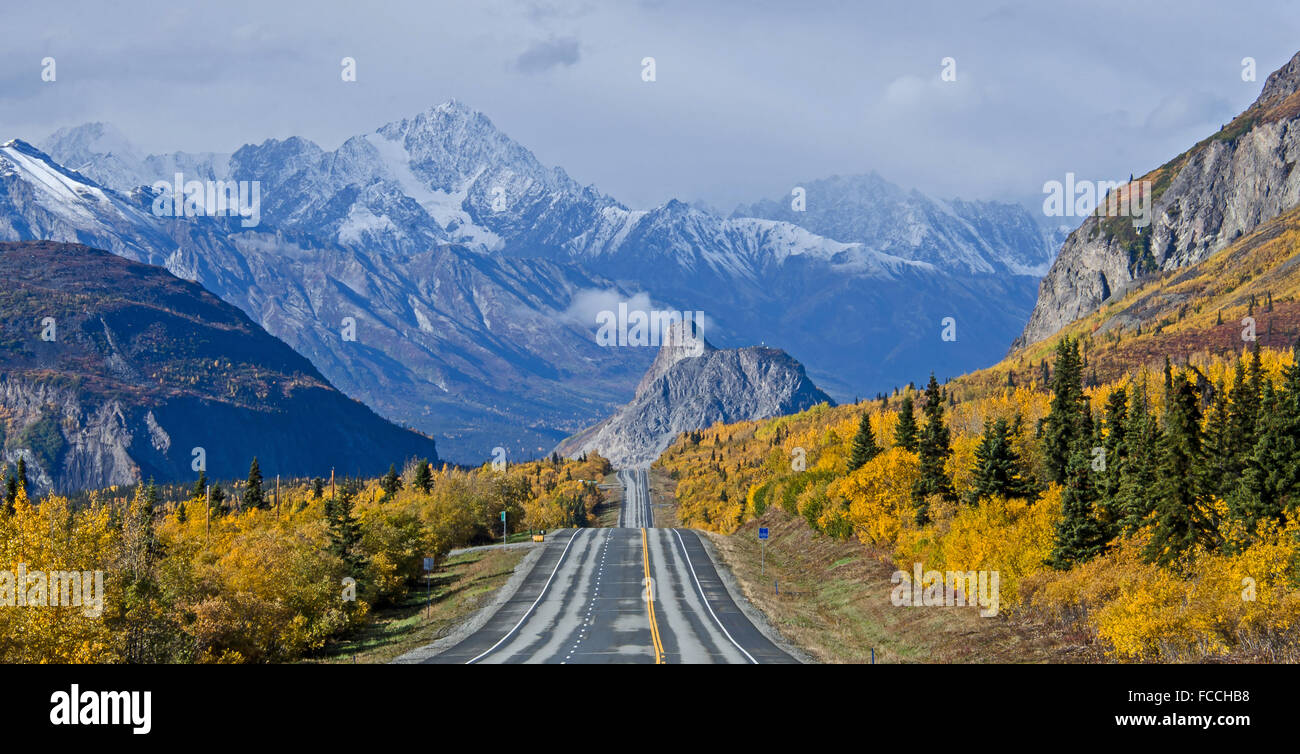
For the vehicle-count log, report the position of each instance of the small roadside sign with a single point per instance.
(428, 564)
(762, 532)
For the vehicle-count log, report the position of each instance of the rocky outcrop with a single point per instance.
(1203, 200)
(692, 385)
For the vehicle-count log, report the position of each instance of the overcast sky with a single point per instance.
(751, 98)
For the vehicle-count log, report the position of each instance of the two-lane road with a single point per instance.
(636, 512)
(630, 594)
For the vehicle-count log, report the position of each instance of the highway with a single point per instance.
(632, 594)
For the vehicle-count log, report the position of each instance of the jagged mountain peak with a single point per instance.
(1283, 82)
(967, 237)
(679, 340)
(684, 391)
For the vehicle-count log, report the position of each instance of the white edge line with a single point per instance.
(705, 597)
(545, 586)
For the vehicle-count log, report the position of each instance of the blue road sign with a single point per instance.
(762, 532)
(428, 564)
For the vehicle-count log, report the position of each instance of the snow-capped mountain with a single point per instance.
(107, 156)
(469, 267)
(965, 237)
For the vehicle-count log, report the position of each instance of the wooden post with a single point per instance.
(277, 495)
(331, 484)
(207, 513)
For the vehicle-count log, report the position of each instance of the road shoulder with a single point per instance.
(755, 616)
(481, 617)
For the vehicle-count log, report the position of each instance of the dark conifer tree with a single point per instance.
(1270, 485)
(1138, 472)
(1116, 456)
(1080, 535)
(998, 470)
(344, 528)
(392, 481)
(905, 430)
(1061, 426)
(423, 477)
(864, 445)
(933, 449)
(218, 498)
(253, 497)
(1182, 517)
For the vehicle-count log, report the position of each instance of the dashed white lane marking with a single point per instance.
(531, 607)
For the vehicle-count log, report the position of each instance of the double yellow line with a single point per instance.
(650, 602)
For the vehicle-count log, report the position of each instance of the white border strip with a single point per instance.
(545, 586)
(705, 597)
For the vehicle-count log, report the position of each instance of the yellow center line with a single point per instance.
(650, 602)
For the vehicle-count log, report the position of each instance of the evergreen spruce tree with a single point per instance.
(344, 528)
(1270, 484)
(201, 486)
(864, 445)
(1138, 472)
(1181, 514)
(933, 449)
(1080, 536)
(1223, 461)
(11, 491)
(392, 481)
(317, 488)
(218, 498)
(1063, 420)
(905, 430)
(1116, 455)
(253, 496)
(147, 516)
(997, 469)
(1243, 416)
(21, 476)
(423, 477)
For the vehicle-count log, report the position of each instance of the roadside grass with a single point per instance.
(606, 512)
(461, 586)
(663, 496)
(831, 598)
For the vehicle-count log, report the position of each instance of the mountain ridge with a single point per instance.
(114, 371)
(1223, 187)
(463, 261)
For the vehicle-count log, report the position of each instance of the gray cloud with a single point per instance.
(752, 97)
(547, 54)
